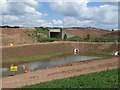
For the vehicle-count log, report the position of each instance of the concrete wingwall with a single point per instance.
(69, 34)
(53, 47)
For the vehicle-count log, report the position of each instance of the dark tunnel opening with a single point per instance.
(55, 35)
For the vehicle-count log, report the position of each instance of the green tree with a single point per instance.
(65, 36)
(88, 36)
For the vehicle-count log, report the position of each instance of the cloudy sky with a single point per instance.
(82, 13)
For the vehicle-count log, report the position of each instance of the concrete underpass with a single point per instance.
(55, 33)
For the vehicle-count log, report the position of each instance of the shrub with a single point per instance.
(49, 39)
(42, 30)
(65, 36)
(88, 36)
(75, 38)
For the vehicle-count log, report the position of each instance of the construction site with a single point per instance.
(19, 46)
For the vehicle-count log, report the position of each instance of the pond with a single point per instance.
(46, 63)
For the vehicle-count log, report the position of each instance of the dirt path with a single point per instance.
(57, 72)
(55, 42)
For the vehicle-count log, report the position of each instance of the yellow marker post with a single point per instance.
(13, 68)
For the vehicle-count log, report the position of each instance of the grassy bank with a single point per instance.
(104, 79)
(79, 39)
(103, 54)
(43, 56)
(31, 58)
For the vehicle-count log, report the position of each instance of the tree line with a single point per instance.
(9, 26)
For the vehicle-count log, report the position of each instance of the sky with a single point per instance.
(83, 13)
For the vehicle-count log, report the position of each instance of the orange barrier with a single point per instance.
(27, 71)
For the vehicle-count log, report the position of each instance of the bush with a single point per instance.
(88, 36)
(65, 36)
(42, 30)
(75, 38)
(49, 39)
(106, 39)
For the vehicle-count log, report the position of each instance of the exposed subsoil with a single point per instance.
(16, 36)
(93, 32)
(61, 71)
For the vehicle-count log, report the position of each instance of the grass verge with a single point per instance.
(37, 57)
(104, 79)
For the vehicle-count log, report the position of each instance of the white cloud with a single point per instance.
(44, 23)
(20, 13)
(32, 3)
(16, 8)
(71, 21)
(75, 14)
(58, 22)
(80, 9)
(4, 6)
(9, 18)
(106, 13)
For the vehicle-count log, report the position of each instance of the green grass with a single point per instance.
(103, 53)
(41, 39)
(80, 39)
(42, 30)
(104, 79)
(37, 57)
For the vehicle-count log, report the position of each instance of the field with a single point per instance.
(104, 79)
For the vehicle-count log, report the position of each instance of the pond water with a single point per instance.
(43, 64)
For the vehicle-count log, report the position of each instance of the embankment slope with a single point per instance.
(16, 36)
(93, 32)
(27, 50)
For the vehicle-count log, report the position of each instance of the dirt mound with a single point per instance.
(16, 36)
(93, 32)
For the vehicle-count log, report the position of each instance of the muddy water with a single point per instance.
(43, 64)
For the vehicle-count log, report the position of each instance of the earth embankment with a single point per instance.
(27, 50)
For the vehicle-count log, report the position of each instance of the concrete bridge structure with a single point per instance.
(59, 33)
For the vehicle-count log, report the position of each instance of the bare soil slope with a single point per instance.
(16, 36)
(113, 34)
(93, 32)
